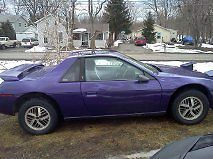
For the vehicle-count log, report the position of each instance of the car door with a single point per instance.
(111, 87)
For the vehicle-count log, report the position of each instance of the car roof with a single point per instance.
(95, 53)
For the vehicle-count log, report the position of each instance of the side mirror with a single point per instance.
(142, 78)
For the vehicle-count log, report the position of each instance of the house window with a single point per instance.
(25, 25)
(99, 36)
(76, 36)
(45, 40)
(158, 35)
(19, 24)
(60, 36)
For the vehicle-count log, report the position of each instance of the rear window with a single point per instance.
(141, 38)
(40, 72)
(26, 40)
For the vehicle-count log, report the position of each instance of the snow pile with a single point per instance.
(200, 67)
(162, 47)
(40, 49)
(37, 49)
(207, 46)
(136, 155)
(117, 42)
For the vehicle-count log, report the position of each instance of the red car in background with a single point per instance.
(140, 41)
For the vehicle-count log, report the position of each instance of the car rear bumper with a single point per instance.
(7, 105)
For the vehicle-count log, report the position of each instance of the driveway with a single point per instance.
(13, 50)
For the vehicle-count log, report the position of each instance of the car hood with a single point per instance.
(181, 71)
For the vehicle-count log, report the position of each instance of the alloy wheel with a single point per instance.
(190, 108)
(37, 118)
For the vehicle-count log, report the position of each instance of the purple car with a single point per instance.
(102, 83)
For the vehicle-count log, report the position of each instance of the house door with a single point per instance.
(85, 39)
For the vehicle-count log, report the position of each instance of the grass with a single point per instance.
(96, 138)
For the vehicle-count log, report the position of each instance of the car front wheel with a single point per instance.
(190, 107)
(37, 116)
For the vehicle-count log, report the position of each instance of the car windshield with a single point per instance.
(147, 66)
(2, 39)
(26, 40)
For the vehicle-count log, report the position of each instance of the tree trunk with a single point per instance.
(71, 24)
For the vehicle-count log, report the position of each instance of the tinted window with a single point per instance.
(73, 74)
(107, 68)
(26, 40)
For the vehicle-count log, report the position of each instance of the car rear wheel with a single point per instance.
(37, 116)
(190, 107)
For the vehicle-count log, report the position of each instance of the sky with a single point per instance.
(82, 7)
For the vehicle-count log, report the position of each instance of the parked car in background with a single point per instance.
(188, 40)
(29, 42)
(198, 147)
(5, 42)
(140, 41)
(100, 83)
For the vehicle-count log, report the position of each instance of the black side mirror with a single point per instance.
(142, 78)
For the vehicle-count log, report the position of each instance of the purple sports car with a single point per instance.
(102, 83)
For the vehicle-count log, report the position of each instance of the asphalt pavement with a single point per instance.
(136, 52)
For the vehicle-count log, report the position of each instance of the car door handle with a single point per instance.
(91, 94)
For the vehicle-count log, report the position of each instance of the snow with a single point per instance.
(117, 42)
(136, 155)
(40, 49)
(37, 49)
(79, 30)
(200, 67)
(162, 47)
(207, 46)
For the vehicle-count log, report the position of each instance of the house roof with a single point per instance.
(40, 20)
(11, 18)
(97, 26)
(87, 26)
(156, 25)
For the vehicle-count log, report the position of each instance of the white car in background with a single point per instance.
(29, 42)
(5, 42)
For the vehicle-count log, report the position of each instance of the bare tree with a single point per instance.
(93, 11)
(197, 16)
(163, 9)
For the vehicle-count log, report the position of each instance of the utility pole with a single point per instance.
(71, 24)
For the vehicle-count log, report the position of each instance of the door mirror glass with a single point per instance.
(142, 78)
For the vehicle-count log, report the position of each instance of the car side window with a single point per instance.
(109, 68)
(73, 74)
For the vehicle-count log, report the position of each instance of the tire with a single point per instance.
(3, 47)
(14, 45)
(32, 123)
(190, 103)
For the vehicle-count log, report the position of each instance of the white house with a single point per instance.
(52, 32)
(162, 34)
(30, 32)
